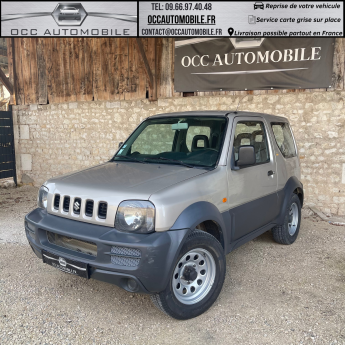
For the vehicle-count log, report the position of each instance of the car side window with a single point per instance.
(284, 139)
(252, 133)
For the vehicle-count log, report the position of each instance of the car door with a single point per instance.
(252, 189)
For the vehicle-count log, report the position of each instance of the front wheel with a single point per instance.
(196, 280)
(287, 232)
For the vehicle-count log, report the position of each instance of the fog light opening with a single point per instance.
(132, 285)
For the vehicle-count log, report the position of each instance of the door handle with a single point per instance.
(271, 173)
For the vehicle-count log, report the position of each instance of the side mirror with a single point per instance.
(246, 156)
(120, 144)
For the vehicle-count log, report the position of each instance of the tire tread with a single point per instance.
(157, 302)
(277, 233)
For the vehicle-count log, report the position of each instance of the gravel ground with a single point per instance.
(272, 294)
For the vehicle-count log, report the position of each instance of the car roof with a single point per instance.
(228, 113)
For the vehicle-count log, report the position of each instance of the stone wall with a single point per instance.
(58, 138)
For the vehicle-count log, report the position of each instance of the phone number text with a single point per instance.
(179, 6)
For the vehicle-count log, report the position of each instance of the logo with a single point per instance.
(258, 5)
(69, 14)
(62, 262)
(76, 206)
(68, 19)
(246, 42)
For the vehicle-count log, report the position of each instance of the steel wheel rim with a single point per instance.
(201, 263)
(293, 219)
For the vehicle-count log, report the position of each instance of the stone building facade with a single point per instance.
(58, 138)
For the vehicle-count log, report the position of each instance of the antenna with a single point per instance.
(241, 101)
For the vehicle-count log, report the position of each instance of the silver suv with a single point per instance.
(184, 190)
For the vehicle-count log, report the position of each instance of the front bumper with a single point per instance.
(158, 250)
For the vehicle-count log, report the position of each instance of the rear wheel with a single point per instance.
(196, 280)
(287, 232)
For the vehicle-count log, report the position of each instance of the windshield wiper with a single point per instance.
(158, 158)
(175, 161)
(133, 159)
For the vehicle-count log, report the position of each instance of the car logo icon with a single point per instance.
(76, 206)
(246, 42)
(62, 262)
(258, 5)
(69, 14)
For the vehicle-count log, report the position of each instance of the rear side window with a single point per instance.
(284, 139)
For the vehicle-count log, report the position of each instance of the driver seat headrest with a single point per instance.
(196, 138)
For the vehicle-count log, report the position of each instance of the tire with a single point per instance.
(204, 272)
(287, 232)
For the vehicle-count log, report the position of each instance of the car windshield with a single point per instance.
(194, 141)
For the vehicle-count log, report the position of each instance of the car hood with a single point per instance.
(130, 179)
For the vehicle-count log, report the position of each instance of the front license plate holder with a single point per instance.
(77, 268)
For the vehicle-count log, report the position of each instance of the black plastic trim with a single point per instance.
(253, 215)
(244, 239)
(202, 211)
(57, 200)
(88, 202)
(99, 210)
(284, 196)
(234, 224)
(159, 250)
(67, 200)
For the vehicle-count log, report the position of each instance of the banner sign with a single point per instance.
(172, 19)
(216, 64)
(68, 18)
(241, 18)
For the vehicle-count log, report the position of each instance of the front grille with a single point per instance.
(57, 201)
(124, 256)
(66, 202)
(76, 206)
(125, 251)
(121, 261)
(89, 208)
(79, 246)
(102, 210)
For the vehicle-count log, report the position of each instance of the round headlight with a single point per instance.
(135, 215)
(42, 198)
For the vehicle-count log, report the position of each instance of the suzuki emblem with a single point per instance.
(76, 206)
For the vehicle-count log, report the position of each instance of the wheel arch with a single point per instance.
(205, 213)
(292, 186)
(300, 194)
